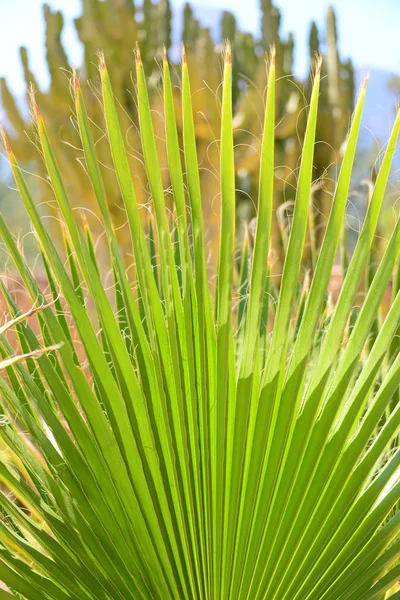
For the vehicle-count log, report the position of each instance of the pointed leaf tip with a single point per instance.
(183, 54)
(319, 64)
(84, 220)
(228, 53)
(75, 82)
(33, 103)
(138, 56)
(246, 237)
(272, 55)
(102, 62)
(5, 140)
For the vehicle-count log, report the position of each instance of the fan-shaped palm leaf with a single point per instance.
(186, 450)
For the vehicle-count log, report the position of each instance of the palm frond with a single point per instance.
(177, 439)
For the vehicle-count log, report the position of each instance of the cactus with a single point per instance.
(165, 27)
(191, 27)
(229, 32)
(313, 40)
(270, 24)
(116, 26)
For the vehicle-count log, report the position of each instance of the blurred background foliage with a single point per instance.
(116, 26)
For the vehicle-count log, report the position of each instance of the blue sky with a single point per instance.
(369, 30)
